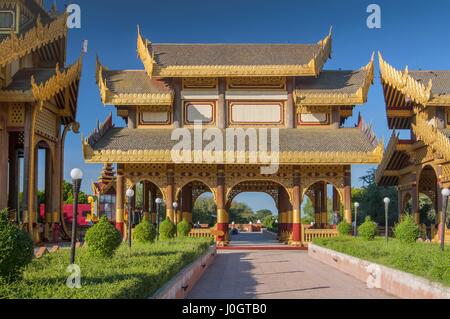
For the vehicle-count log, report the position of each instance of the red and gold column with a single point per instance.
(284, 208)
(296, 211)
(120, 191)
(186, 203)
(170, 193)
(348, 194)
(222, 214)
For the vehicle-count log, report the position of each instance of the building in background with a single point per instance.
(38, 105)
(237, 86)
(417, 101)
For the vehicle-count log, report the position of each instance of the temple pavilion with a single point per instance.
(38, 99)
(418, 103)
(242, 87)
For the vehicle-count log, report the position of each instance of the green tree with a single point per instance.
(262, 214)
(308, 212)
(68, 194)
(241, 213)
(370, 198)
(204, 210)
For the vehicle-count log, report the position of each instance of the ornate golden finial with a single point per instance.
(143, 51)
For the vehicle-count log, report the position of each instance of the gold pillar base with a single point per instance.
(296, 243)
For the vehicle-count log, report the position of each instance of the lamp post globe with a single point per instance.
(76, 174)
(130, 193)
(356, 204)
(386, 201)
(158, 202)
(445, 194)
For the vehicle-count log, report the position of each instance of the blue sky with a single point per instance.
(413, 33)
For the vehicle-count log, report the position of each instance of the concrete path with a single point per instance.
(255, 239)
(276, 274)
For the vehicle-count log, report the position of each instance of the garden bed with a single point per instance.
(420, 259)
(140, 275)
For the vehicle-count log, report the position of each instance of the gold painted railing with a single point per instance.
(309, 234)
(197, 233)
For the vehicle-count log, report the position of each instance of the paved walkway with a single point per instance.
(241, 274)
(255, 239)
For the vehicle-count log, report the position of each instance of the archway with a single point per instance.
(196, 204)
(144, 202)
(321, 205)
(428, 201)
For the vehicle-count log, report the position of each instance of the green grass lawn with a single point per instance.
(421, 259)
(148, 268)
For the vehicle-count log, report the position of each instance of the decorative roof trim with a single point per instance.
(431, 135)
(15, 47)
(390, 150)
(359, 97)
(405, 83)
(110, 98)
(164, 156)
(61, 80)
(312, 68)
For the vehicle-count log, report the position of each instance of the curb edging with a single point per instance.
(395, 282)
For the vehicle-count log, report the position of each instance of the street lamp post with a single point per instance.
(445, 194)
(386, 211)
(76, 174)
(356, 219)
(158, 202)
(175, 216)
(130, 194)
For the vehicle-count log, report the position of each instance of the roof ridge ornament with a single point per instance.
(405, 83)
(144, 54)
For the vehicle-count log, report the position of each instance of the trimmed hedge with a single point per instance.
(124, 276)
(344, 228)
(103, 239)
(368, 229)
(407, 231)
(167, 230)
(183, 228)
(16, 249)
(144, 232)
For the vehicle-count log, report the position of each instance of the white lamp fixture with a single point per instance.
(130, 193)
(445, 192)
(158, 201)
(76, 174)
(386, 200)
(175, 205)
(356, 205)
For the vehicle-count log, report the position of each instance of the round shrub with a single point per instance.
(407, 231)
(183, 228)
(144, 232)
(103, 239)
(16, 249)
(368, 229)
(167, 230)
(344, 228)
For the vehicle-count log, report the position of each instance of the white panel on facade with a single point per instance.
(155, 117)
(313, 117)
(256, 113)
(199, 112)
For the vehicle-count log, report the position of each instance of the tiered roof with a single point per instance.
(314, 86)
(41, 32)
(407, 95)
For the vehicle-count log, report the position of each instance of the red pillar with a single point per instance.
(120, 191)
(222, 214)
(296, 218)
